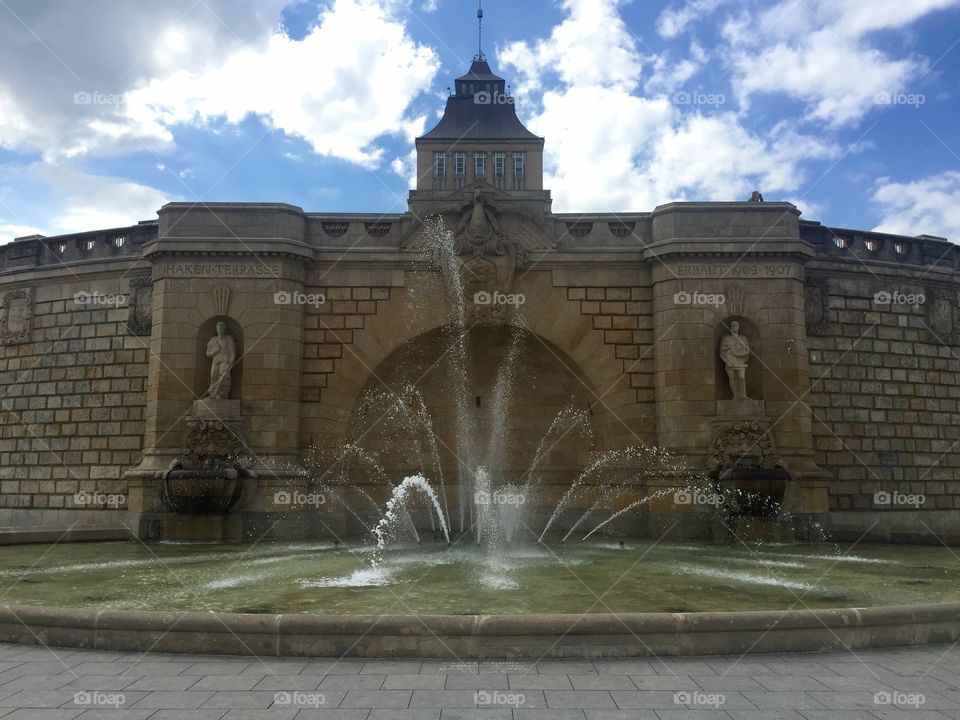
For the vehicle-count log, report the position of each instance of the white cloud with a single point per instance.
(592, 46)
(610, 149)
(348, 82)
(11, 230)
(820, 52)
(65, 66)
(929, 206)
(92, 202)
(675, 20)
(120, 78)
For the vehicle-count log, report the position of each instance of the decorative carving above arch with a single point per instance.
(491, 246)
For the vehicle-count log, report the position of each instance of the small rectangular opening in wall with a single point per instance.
(478, 401)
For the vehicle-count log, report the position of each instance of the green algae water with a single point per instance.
(431, 578)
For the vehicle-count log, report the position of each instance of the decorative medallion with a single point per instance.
(816, 306)
(140, 311)
(942, 317)
(16, 316)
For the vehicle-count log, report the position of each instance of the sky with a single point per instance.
(847, 108)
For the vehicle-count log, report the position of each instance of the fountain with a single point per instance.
(474, 520)
(496, 502)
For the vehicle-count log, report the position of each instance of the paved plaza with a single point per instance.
(51, 684)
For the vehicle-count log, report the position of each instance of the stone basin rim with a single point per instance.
(481, 636)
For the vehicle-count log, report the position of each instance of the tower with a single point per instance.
(479, 141)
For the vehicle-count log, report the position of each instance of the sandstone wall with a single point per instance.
(885, 392)
(72, 398)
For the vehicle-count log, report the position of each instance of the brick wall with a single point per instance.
(886, 403)
(71, 407)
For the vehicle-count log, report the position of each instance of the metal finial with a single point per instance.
(480, 55)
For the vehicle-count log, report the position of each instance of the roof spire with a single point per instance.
(480, 55)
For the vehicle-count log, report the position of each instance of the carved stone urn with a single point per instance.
(209, 477)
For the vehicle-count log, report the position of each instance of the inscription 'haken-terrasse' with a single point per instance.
(220, 270)
(736, 270)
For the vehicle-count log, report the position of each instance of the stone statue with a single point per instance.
(734, 351)
(223, 353)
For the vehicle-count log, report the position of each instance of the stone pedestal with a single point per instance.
(746, 409)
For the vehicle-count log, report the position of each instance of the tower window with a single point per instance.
(440, 164)
(499, 164)
(460, 164)
(519, 164)
(479, 164)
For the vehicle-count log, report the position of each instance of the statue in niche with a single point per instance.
(735, 351)
(223, 353)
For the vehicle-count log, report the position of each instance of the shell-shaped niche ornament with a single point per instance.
(221, 299)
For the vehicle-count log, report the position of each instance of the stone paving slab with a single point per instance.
(888, 684)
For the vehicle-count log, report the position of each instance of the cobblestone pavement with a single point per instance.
(51, 684)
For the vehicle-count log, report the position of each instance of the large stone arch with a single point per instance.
(514, 388)
(422, 306)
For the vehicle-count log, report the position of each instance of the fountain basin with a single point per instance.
(481, 636)
(591, 600)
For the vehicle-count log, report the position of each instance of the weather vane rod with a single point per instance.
(480, 55)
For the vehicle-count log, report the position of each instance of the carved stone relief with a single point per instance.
(140, 317)
(942, 317)
(743, 445)
(16, 316)
(816, 296)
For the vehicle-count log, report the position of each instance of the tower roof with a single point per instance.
(480, 72)
(480, 109)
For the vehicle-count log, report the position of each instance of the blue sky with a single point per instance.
(848, 109)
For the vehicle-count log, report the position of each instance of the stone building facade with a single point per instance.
(850, 405)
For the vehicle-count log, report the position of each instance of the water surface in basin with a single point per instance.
(433, 579)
